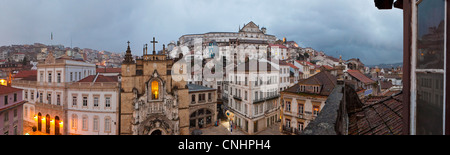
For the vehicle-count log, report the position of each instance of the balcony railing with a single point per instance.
(67, 84)
(266, 98)
(307, 115)
(237, 97)
(291, 130)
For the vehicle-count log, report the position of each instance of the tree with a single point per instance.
(306, 55)
(24, 61)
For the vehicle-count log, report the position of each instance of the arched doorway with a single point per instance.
(57, 125)
(39, 121)
(156, 132)
(201, 118)
(47, 124)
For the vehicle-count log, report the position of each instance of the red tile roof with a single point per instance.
(277, 45)
(383, 117)
(385, 84)
(7, 90)
(100, 78)
(109, 70)
(26, 73)
(361, 77)
(305, 63)
(292, 66)
(324, 79)
(327, 67)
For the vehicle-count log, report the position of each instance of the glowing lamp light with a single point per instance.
(156, 94)
(61, 123)
(155, 89)
(43, 119)
(52, 121)
(3, 82)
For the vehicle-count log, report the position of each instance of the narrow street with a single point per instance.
(224, 129)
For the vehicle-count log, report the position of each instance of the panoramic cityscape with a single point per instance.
(206, 68)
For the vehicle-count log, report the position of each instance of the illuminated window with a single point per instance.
(155, 90)
(316, 110)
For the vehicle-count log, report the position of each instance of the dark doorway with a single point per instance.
(156, 132)
(39, 122)
(47, 124)
(57, 125)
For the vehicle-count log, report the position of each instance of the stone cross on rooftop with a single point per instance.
(154, 42)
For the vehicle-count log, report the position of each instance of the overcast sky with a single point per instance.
(351, 28)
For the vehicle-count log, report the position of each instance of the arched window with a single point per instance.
(155, 90)
(201, 118)
(39, 122)
(47, 124)
(57, 125)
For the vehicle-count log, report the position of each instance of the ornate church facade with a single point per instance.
(152, 102)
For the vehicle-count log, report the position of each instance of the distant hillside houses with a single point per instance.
(38, 52)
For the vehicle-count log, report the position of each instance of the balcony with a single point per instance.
(291, 130)
(24, 83)
(237, 98)
(266, 98)
(307, 115)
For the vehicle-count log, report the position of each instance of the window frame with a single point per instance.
(415, 70)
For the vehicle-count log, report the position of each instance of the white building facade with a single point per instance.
(92, 108)
(49, 95)
(254, 96)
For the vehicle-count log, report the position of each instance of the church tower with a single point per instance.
(152, 103)
(126, 95)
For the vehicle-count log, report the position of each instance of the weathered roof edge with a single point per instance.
(324, 124)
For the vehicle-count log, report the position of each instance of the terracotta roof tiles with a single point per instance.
(109, 70)
(26, 73)
(100, 78)
(382, 117)
(358, 75)
(7, 89)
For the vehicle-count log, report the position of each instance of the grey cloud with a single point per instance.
(352, 28)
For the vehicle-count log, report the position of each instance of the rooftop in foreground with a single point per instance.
(345, 114)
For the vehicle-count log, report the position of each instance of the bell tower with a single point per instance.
(126, 94)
